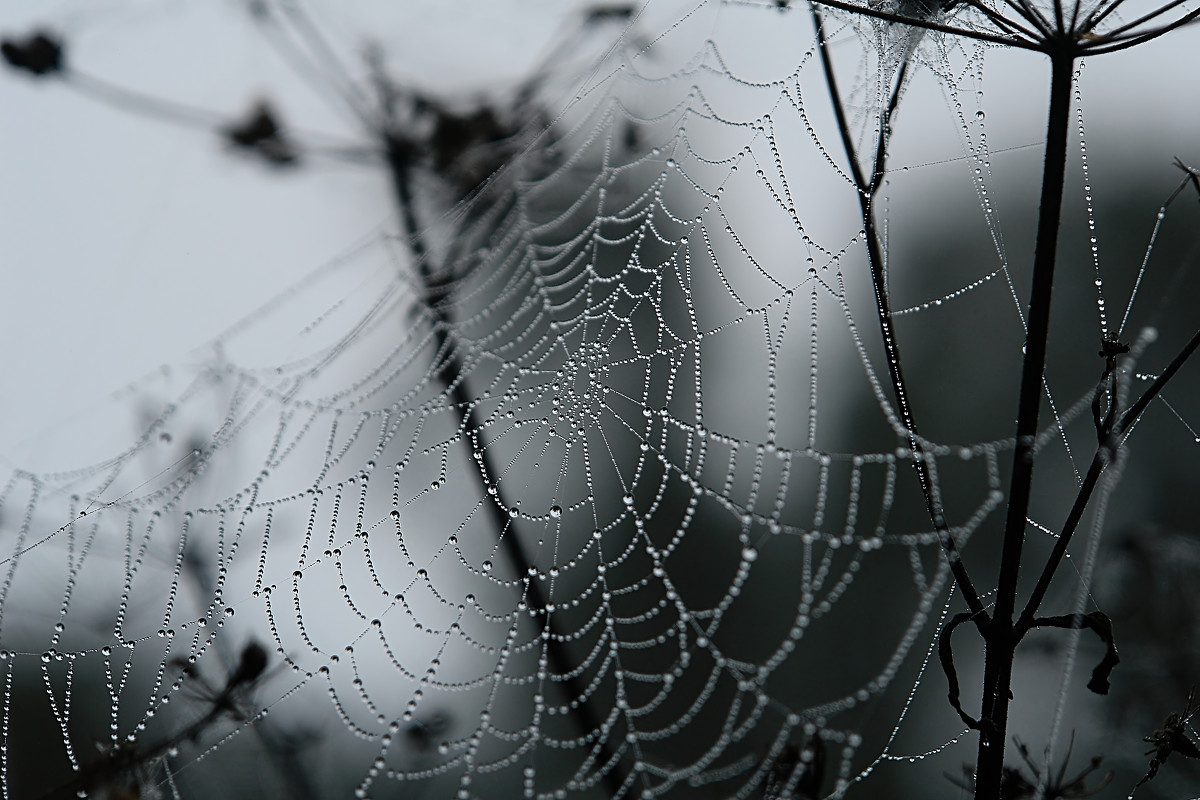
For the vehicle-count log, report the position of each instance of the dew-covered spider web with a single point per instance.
(594, 483)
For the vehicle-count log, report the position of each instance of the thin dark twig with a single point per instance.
(142, 104)
(1139, 406)
(1034, 16)
(1030, 15)
(1097, 15)
(452, 376)
(866, 191)
(1103, 457)
(197, 118)
(320, 80)
(1002, 22)
(839, 109)
(1076, 9)
(1157, 12)
(1086, 488)
(1192, 176)
(1126, 41)
(885, 130)
(1102, 11)
(321, 49)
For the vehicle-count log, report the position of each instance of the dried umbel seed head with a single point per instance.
(261, 133)
(251, 665)
(41, 53)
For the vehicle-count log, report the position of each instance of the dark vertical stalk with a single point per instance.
(452, 377)
(999, 634)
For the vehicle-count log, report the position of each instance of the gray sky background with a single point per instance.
(127, 243)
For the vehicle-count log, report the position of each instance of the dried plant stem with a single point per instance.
(999, 634)
(1104, 456)
(867, 189)
(453, 378)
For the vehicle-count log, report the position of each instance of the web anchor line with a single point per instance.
(451, 376)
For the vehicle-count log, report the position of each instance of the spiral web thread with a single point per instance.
(664, 326)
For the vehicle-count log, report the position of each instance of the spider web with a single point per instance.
(628, 508)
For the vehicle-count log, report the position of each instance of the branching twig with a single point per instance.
(1103, 457)
(866, 193)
